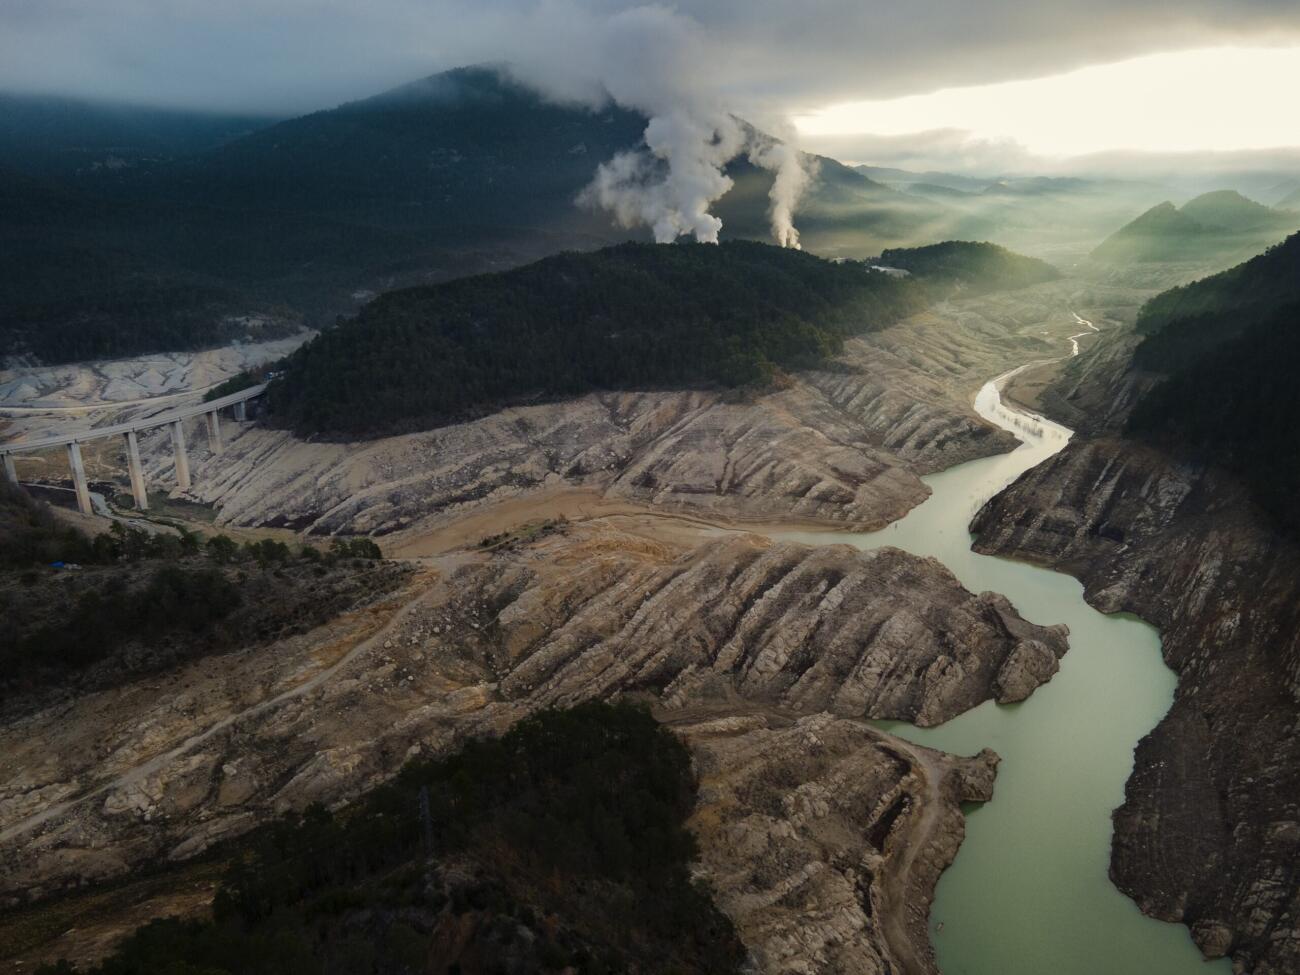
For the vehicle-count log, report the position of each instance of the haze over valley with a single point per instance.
(607, 487)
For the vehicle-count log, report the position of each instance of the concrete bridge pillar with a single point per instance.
(79, 479)
(182, 458)
(11, 472)
(241, 410)
(214, 432)
(137, 472)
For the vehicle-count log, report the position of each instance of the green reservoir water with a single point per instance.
(1029, 892)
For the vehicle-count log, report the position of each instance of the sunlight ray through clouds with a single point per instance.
(1210, 99)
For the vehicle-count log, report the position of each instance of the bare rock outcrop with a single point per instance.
(879, 634)
(1209, 832)
(1030, 664)
(683, 451)
(824, 838)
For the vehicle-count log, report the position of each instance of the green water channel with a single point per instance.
(1029, 892)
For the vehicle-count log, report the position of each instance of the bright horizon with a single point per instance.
(1211, 99)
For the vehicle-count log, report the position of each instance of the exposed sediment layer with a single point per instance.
(879, 634)
(1209, 833)
(210, 749)
(794, 454)
(824, 838)
(843, 447)
(186, 759)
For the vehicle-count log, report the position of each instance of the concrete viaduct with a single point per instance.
(170, 418)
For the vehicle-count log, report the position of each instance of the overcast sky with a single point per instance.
(767, 59)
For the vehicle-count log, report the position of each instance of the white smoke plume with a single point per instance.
(671, 184)
(655, 60)
(790, 180)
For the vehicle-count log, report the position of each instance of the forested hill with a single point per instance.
(971, 268)
(634, 316)
(1229, 346)
(1272, 277)
(1186, 322)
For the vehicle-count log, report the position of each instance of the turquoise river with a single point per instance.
(1029, 892)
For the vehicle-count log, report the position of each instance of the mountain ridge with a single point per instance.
(1218, 227)
(457, 173)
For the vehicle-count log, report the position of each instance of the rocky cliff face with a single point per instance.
(1209, 833)
(206, 751)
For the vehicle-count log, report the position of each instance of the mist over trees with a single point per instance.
(970, 268)
(1216, 228)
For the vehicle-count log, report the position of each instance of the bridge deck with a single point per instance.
(145, 423)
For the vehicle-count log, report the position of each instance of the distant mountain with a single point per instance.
(1229, 349)
(1221, 226)
(1291, 201)
(936, 190)
(1229, 210)
(458, 173)
(1275, 192)
(1037, 214)
(468, 154)
(1037, 186)
(47, 136)
(905, 178)
(465, 152)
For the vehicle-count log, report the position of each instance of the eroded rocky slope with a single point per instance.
(845, 446)
(864, 634)
(1209, 833)
(798, 454)
(824, 838)
(206, 751)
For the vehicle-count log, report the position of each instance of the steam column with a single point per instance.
(79, 479)
(182, 458)
(11, 472)
(214, 432)
(137, 472)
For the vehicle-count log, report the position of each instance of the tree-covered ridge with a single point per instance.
(1266, 280)
(153, 600)
(634, 316)
(1229, 347)
(971, 267)
(1184, 323)
(559, 847)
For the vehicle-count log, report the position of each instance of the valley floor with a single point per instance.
(610, 545)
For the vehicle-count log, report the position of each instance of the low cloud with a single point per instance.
(763, 56)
